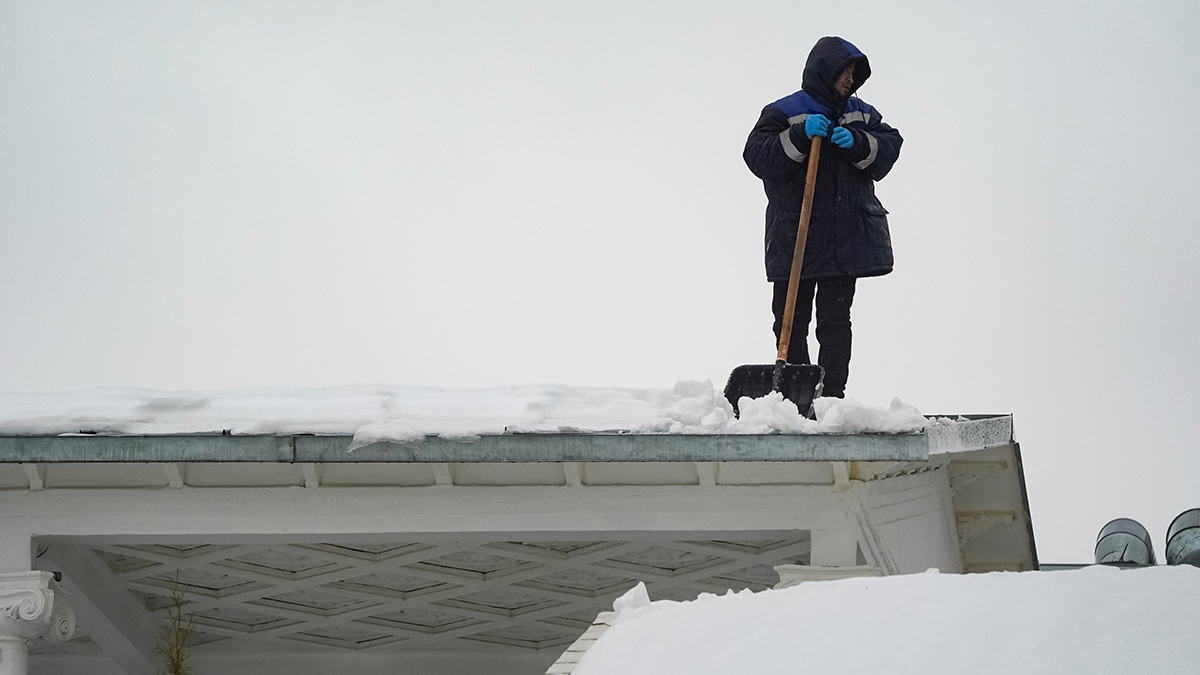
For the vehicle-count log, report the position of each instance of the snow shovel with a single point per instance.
(798, 383)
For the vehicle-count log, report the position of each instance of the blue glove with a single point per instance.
(842, 138)
(816, 125)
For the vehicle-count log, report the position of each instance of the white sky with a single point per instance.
(231, 194)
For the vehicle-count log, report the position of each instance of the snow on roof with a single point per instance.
(378, 413)
(1097, 620)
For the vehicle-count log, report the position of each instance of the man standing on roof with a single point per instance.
(848, 231)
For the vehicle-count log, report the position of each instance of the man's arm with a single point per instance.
(876, 145)
(777, 147)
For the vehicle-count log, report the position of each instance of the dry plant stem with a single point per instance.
(173, 644)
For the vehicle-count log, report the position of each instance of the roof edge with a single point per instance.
(540, 447)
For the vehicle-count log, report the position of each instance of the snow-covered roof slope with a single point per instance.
(1097, 620)
(375, 412)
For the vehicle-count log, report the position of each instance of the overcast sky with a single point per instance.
(215, 195)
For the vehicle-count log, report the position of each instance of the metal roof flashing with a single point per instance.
(609, 446)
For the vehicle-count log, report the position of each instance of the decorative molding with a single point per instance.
(25, 596)
(875, 471)
(793, 575)
(528, 595)
(62, 622)
(962, 474)
(565, 665)
(971, 524)
(28, 607)
(876, 550)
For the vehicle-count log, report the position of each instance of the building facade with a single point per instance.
(444, 556)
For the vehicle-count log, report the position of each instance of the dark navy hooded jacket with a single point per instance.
(848, 230)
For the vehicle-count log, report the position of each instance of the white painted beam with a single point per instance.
(912, 521)
(15, 544)
(266, 515)
(112, 617)
(873, 546)
(837, 548)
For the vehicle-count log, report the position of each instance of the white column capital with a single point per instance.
(31, 608)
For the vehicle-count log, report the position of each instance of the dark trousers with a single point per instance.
(834, 297)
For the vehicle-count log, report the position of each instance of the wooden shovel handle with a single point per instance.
(789, 309)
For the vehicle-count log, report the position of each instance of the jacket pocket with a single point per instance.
(873, 219)
(873, 207)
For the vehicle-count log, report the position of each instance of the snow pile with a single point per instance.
(1096, 620)
(378, 413)
(634, 599)
(838, 416)
(697, 408)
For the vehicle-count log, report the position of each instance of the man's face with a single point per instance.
(845, 81)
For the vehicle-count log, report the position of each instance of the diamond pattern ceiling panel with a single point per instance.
(316, 601)
(678, 593)
(583, 582)
(532, 636)
(239, 619)
(181, 551)
(121, 564)
(204, 581)
(503, 602)
(421, 620)
(285, 563)
(350, 636)
(660, 560)
(758, 575)
(396, 584)
(471, 564)
(372, 552)
(409, 595)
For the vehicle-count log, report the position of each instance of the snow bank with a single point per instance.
(377, 413)
(697, 408)
(1097, 620)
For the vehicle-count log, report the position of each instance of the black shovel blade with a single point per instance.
(800, 384)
